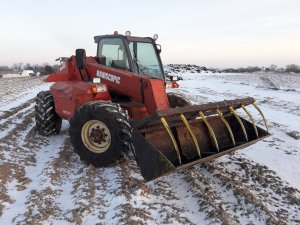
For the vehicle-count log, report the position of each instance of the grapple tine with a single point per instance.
(210, 130)
(262, 115)
(164, 122)
(250, 117)
(227, 125)
(191, 133)
(240, 122)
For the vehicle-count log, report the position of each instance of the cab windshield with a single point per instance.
(145, 59)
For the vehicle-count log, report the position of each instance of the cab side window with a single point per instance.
(111, 53)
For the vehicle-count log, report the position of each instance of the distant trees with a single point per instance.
(17, 67)
(43, 69)
(272, 68)
(249, 69)
(48, 69)
(4, 68)
(27, 66)
(292, 68)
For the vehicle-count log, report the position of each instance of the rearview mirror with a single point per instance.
(80, 59)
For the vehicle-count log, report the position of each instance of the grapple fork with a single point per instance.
(177, 138)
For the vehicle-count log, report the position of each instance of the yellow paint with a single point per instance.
(240, 122)
(164, 122)
(191, 133)
(262, 115)
(250, 117)
(211, 131)
(227, 125)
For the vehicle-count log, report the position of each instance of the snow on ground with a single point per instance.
(11, 75)
(44, 182)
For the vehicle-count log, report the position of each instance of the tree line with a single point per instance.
(291, 68)
(43, 69)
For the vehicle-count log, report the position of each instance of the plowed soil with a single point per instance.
(44, 182)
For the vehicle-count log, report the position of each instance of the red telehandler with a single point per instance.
(117, 101)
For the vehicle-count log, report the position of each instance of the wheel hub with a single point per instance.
(96, 136)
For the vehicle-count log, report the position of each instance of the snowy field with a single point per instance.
(44, 182)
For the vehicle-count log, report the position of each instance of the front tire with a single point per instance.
(99, 132)
(47, 120)
(178, 100)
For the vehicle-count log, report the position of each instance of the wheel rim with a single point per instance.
(96, 136)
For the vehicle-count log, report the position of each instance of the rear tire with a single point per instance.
(177, 100)
(47, 120)
(99, 132)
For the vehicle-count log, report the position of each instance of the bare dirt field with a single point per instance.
(44, 182)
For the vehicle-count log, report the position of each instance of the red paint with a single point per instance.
(155, 95)
(70, 91)
(69, 96)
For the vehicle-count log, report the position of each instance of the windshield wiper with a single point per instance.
(139, 66)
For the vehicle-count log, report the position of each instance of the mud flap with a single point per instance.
(152, 163)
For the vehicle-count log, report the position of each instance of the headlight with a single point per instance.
(96, 80)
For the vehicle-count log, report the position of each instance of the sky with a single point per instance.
(213, 33)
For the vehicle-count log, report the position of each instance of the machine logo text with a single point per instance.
(107, 76)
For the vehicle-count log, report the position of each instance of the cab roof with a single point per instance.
(130, 38)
